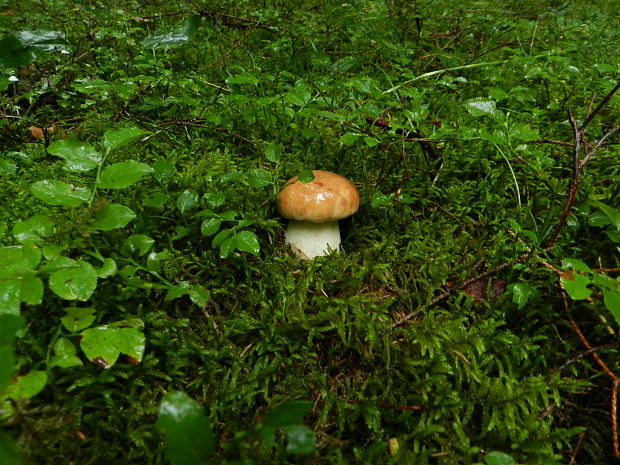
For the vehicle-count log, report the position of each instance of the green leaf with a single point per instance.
(116, 138)
(186, 200)
(28, 385)
(246, 241)
(112, 216)
(186, 429)
(123, 174)
(9, 327)
(64, 354)
(137, 243)
(301, 440)
(33, 230)
(306, 176)
(22, 48)
(259, 178)
(59, 193)
(576, 285)
(575, 264)
(108, 268)
(163, 170)
(611, 213)
(498, 458)
(612, 302)
(9, 452)
(79, 156)
(10, 293)
(199, 295)
(31, 291)
(273, 152)
(103, 344)
(182, 34)
(349, 138)
(521, 293)
(481, 106)
(287, 414)
(78, 318)
(210, 226)
(77, 283)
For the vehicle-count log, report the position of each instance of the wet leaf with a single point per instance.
(301, 439)
(612, 303)
(186, 200)
(79, 156)
(246, 241)
(103, 344)
(112, 216)
(182, 34)
(64, 354)
(117, 138)
(78, 318)
(33, 230)
(498, 458)
(480, 106)
(186, 429)
(576, 285)
(123, 174)
(59, 193)
(259, 178)
(27, 385)
(76, 283)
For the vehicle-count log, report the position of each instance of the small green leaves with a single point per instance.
(112, 216)
(186, 429)
(76, 283)
(64, 354)
(59, 193)
(79, 156)
(123, 174)
(103, 344)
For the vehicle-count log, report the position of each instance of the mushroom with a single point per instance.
(314, 209)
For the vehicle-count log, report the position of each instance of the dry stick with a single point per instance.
(600, 106)
(614, 419)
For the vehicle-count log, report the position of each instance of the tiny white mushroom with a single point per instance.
(314, 209)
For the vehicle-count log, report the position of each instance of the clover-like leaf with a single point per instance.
(112, 216)
(76, 283)
(59, 193)
(79, 156)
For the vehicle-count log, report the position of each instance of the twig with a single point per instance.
(574, 183)
(600, 106)
(614, 419)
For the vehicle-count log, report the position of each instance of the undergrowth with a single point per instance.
(142, 147)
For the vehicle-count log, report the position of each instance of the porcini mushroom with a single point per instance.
(314, 209)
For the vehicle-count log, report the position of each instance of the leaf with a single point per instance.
(273, 151)
(349, 138)
(9, 327)
(77, 283)
(64, 354)
(79, 156)
(137, 243)
(175, 37)
(108, 268)
(611, 213)
(112, 216)
(498, 458)
(259, 178)
(31, 291)
(78, 318)
(28, 385)
(116, 138)
(10, 293)
(612, 302)
(186, 429)
(59, 193)
(199, 295)
(23, 47)
(301, 440)
(103, 344)
(163, 170)
(187, 200)
(123, 174)
(287, 414)
(32, 230)
(480, 106)
(521, 293)
(210, 226)
(575, 285)
(575, 264)
(9, 452)
(246, 241)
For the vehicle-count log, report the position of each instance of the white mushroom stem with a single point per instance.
(311, 240)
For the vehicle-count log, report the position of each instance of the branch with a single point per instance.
(600, 106)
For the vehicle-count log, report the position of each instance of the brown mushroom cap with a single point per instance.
(328, 197)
